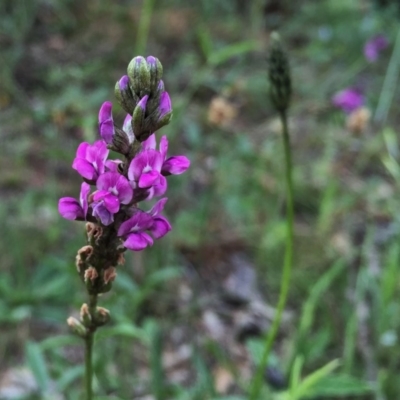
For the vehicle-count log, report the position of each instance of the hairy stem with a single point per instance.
(89, 339)
(287, 266)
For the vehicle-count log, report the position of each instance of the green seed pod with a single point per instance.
(280, 88)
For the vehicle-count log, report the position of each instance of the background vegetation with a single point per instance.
(188, 314)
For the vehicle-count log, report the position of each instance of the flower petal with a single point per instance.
(160, 227)
(175, 165)
(138, 241)
(163, 147)
(158, 207)
(84, 168)
(138, 222)
(150, 142)
(69, 208)
(106, 123)
(81, 150)
(149, 179)
(165, 104)
(125, 191)
(101, 212)
(83, 198)
(111, 203)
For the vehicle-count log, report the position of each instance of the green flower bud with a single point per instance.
(126, 99)
(102, 316)
(139, 75)
(76, 327)
(141, 131)
(156, 71)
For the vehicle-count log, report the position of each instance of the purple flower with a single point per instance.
(113, 190)
(348, 99)
(90, 159)
(106, 122)
(174, 165)
(71, 208)
(144, 170)
(160, 226)
(133, 230)
(374, 46)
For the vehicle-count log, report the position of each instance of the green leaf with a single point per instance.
(311, 380)
(338, 386)
(57, 342)
(37, 364)
(235, 49)
(124, 329)
(69, 376)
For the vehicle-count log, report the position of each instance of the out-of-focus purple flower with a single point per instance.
(160, 226)
(144, 170)
(106, 122)
(90, 159)
(348, 99)
(71, 208)
(133, 231)
(174, 165)
(113, 190)
(374, 46)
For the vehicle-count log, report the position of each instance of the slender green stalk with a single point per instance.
(389, 84)
(287, 266)
(89, 339)
(144, 26)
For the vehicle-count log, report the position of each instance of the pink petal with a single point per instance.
(165, 104)
(164, 147)
(69, 208)
(81, 150)
(149, 143)
(138, 241)
(149, 179)
(158, 207)
(160, 227)
(111, 203)
(84, 169)
(125, 191)
(175, 165)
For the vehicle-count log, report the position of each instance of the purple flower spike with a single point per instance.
(374, 47)
(90, 159)
(348, 99)
(71, 208)
(106, 122)
(165, 104)
(133, 230)
(145, 168)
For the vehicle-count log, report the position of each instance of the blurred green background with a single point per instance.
(188, 314)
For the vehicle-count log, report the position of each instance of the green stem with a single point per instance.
(389, 84)
(89, 339)
(287, 266)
